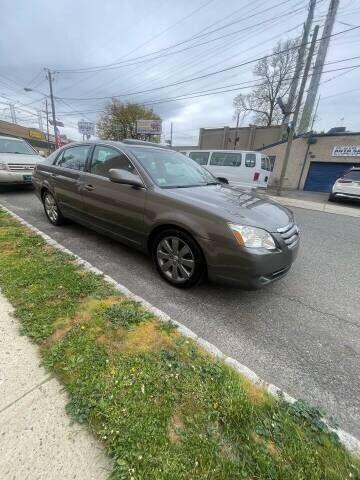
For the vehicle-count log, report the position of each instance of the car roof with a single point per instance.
(127, 143)
(219, 150)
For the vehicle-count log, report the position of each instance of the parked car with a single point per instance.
(347, 186)
(161, 202)
(242, 168)
(17, 160)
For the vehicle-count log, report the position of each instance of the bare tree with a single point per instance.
(274, 75)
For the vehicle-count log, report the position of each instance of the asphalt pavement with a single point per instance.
(301, 333)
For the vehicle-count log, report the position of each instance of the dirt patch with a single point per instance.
(175, 427)
(256, 393)
(87, 309)
(268, 444)
(146, 337)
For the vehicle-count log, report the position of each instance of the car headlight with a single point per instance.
(3, 166)
(252, 237)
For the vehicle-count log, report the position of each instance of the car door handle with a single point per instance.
(89, 187)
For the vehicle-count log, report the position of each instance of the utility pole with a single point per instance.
(171, 134)
(299, 63)
(47, 120)
(297, 109)
(12, 113)
(237, 128)
(318, 67)
(49, 77)
(40, 122)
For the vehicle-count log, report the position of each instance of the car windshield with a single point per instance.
(11, 145)
(170, 169)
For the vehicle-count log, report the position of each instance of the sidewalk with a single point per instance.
(37, 439)
(317, 201)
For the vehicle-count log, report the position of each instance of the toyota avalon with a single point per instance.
(160, 201)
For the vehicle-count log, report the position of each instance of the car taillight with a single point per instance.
(343, 180)
(256, 176)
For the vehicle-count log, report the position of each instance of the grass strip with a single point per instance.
(162, 407)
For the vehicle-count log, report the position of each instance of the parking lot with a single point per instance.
(300, 333)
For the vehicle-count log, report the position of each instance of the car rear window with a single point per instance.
(225, 159)
(353, 175)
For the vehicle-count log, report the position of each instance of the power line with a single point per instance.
(143, 58)
(232, 67)
(224, 89)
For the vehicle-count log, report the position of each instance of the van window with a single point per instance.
(226, 159)
(250, 160)
(200, 157)
(266, 163)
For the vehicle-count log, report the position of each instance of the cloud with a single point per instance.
(70, 34)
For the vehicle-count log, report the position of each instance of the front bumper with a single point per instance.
(249, 268)
(7, 177)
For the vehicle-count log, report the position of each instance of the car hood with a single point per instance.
(236, 205)
(20, 158)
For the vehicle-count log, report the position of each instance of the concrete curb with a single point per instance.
(320, 207)
(348, 440)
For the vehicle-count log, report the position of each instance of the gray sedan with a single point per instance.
(160, 201)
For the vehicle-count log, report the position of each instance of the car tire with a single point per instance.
(332, 197)
(178, 258)
(52, 210)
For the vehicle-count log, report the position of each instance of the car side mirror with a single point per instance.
(222, 180)
(124, 177)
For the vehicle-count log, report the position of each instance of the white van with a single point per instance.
(241, 168)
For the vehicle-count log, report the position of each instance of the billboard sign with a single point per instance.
(148, 127)
(346, 151)
(86, 128)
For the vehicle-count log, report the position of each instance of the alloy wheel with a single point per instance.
(176, 259)
(51, 208)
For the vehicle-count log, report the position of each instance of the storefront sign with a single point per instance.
(346, 151)
(36, 134)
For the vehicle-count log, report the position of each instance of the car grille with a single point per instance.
(290, 234)
(20, 166)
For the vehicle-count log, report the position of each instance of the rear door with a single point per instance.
(113, 207)
(66, 178)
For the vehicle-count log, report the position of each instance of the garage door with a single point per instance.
(322, 175)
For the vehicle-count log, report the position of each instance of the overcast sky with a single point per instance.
(79, 35)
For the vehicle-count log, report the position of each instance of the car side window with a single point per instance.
(200, 157)
(226, 159)
(105, 158)
(74, 157)
(250, 160)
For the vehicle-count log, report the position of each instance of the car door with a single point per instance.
(113, 207)
(66, 176)
(227, 165)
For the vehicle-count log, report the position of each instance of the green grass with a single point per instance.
(161, 406)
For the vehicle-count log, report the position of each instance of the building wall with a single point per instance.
(250, 138)
(321, 151)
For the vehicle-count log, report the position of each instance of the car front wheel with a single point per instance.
(178, 258)
(52, 210)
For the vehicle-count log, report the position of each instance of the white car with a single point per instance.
(17, 161)
(347, 186)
